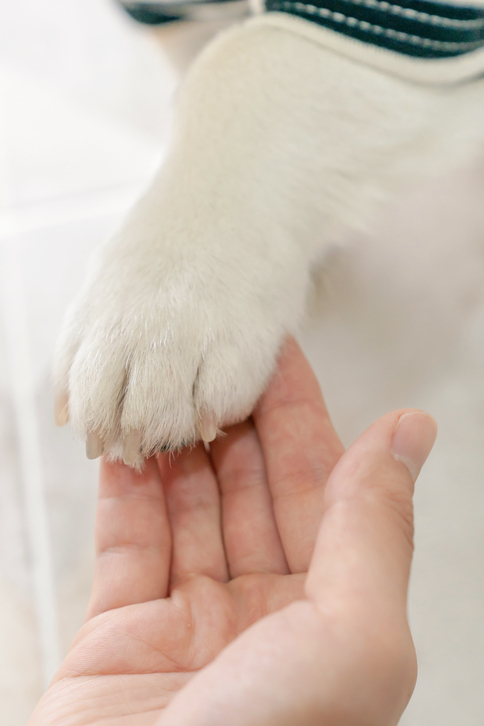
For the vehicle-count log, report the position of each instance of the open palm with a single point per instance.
(196, 550)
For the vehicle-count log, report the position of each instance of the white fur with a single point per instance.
(280, 147)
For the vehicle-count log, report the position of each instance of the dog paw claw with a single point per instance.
(61, 410)
(207, 427)
(94, 446)
(132, 455)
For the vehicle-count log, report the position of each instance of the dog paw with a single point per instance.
(177, 330)
(167, 345)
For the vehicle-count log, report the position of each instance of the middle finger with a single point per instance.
(252, 542)
(193, 503)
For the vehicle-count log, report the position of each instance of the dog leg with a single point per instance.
(280, 146)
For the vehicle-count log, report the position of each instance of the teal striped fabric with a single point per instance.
(419, 28)
(160, 12)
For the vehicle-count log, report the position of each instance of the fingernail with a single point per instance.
(413, 440)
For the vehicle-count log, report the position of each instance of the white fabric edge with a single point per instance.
(440, 71)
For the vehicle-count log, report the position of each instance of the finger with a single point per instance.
(133, 539)
(300, 448)
(193, 502)
(364, 549)
(252, 542)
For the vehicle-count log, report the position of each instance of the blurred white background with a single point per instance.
(85, 104)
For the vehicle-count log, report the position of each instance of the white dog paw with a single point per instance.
(160, 351)
(178, 328)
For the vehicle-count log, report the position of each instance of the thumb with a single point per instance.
(365, 544)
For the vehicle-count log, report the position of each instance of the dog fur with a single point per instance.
(281, 146)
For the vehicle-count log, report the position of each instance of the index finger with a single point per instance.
(300, 448)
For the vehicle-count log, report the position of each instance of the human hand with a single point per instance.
(216, 601)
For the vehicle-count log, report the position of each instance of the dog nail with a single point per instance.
(94, 446)
(132, 448)
(61, 410)
(207, 427)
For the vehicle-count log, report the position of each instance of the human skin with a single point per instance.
(263, 582)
